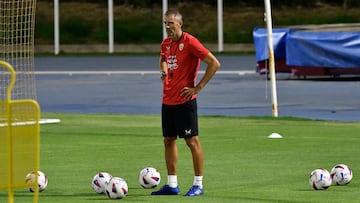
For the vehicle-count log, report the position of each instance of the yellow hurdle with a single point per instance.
(19, 140)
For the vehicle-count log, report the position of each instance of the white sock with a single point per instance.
(172, 181)
(198, 181)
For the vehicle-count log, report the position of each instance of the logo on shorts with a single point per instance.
(188, 132)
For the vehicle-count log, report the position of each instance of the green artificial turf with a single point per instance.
(241, 163)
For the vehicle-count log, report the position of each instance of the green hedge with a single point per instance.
(87, 22)
(276, 3)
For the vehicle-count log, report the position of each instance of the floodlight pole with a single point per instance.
(56, 28)
(111, 26)
(164, 8)
(220, 26)
(271, 57)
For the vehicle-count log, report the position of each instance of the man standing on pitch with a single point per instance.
(179, 64)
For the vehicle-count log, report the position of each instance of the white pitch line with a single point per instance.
(41, 121)
(130, 72)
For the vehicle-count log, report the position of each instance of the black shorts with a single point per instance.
(180, 120)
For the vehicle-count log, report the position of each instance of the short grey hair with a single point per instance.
(176, 13)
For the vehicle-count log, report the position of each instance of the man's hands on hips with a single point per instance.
(188, 92)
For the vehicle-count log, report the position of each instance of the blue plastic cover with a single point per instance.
(261, 43)
(340, 49)
(323, 49)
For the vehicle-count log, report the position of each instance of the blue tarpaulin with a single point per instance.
(261, 43)
(309, 48)
(323, 49)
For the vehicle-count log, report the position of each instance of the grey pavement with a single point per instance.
(131, 85)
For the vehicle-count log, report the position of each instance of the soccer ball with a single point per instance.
(149, 177)
(117, 188)
(41, 179)
(100, 181)
(320, 179)
(341, 174)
